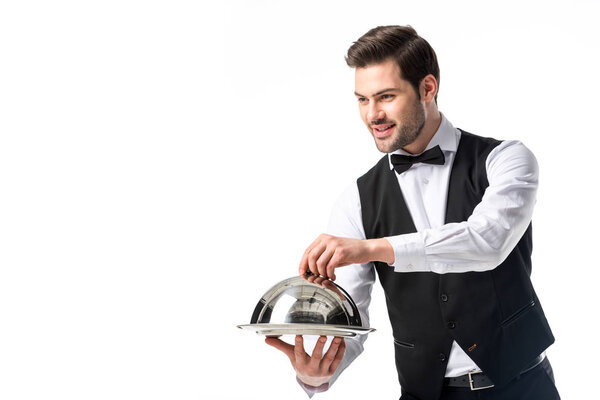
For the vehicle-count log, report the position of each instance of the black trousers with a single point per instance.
(536, 384)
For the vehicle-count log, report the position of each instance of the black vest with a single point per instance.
(494, 316)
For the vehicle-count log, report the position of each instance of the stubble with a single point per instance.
(406, 132)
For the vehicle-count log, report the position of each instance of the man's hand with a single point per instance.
(329, 252)
(315, 370)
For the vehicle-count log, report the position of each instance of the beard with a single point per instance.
(413, 121)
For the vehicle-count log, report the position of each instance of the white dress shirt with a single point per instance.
(480, 243)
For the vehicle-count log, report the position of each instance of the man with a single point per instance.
(444, 219)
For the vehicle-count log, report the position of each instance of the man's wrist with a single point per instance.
(381, 250)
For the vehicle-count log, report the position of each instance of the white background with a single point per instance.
(162, 164)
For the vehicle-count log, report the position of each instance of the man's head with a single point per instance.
(414, 56)
(397, 77)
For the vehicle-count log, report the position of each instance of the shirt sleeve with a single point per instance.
(357, 279)
(488, 236)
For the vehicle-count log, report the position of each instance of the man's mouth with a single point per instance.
(382, 131)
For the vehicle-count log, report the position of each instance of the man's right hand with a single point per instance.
(313, 370)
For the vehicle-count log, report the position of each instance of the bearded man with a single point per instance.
(444, 221)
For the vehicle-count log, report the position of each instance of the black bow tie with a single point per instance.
(401, 163)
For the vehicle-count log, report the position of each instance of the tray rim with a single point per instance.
(297, 329)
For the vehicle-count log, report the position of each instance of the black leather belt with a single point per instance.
(478, 380)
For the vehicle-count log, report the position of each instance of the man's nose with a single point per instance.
(375, 112)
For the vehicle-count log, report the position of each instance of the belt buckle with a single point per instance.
(471, 382)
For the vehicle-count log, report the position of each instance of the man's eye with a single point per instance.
(362, 100)
(387, 96)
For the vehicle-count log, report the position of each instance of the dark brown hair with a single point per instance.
(412, 53)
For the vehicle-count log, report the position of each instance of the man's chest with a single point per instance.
(425, 191)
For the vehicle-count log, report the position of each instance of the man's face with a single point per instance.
(388, 105)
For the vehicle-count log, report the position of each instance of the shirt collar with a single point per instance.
(446, 137)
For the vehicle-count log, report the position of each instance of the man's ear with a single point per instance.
(428, 88)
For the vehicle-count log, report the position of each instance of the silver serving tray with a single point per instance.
(305, 329)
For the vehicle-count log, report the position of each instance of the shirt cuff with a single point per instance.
(313, 389)
(409, 253)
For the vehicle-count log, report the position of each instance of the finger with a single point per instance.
(330, 272)
(299, 354)
(303, 267)
(338, 357)
(334, 262)
(323, 260)
(331, 353)
(279, 344)
(317, 353)
(314, 254)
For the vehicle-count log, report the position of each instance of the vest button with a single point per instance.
(444, 297)
(451, 325)
(442, 357)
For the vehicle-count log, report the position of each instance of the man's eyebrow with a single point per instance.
(378, 93)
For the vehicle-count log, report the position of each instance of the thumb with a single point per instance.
(282, 346)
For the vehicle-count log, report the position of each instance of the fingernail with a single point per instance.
(322, 339)
(298, 338)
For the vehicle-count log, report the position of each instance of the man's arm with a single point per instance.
(497, 224)
(480, 243)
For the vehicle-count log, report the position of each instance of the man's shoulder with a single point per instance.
(475, 146)
(486, 143)
(468, 137)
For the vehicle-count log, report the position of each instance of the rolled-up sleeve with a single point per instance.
(486, 238)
